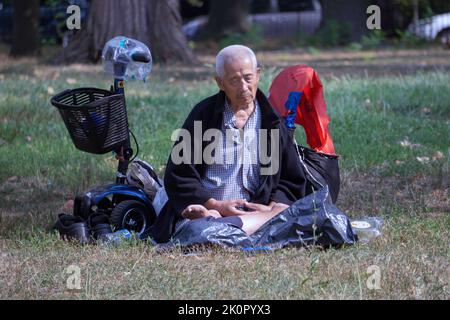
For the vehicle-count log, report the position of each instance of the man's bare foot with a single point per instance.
(214, 213)
(196, 211)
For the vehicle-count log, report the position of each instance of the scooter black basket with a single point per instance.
(96, 119)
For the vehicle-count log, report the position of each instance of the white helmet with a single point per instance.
(141, 174)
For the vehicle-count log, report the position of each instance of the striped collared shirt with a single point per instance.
(235, 173)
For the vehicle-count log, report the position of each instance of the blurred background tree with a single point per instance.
(149, 21)
(26, 26)
(25, 37)
(347, 18)
(226, 17)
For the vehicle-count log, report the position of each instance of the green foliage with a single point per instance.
(426, 8)
(355, 46)
(373, 40)
(409, 40)
(48, 41)
(333, 33)
(313, 50)
(253, 38)
(377, 38)
(50, 3)
(196, 3)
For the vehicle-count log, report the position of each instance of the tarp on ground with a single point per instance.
(312, 220)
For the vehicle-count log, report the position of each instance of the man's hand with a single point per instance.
(257, 207)
(226, 207)
(273, 207)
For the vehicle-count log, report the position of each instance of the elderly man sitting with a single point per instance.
(253, 171)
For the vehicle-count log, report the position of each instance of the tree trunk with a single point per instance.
(170, 44)
(225, 17)
(347, 12)
(155, 23)
(26, 40)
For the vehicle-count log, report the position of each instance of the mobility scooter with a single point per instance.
(97, 123)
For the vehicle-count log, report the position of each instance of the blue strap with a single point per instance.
(291, 104)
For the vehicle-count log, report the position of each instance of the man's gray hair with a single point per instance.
(230, 53)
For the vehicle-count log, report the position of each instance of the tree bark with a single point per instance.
(155, 23)
(165, 33)
(226, 17)
(26, 41)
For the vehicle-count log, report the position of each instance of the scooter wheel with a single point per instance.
(131, 215)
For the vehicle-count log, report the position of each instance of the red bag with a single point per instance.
(311, 110)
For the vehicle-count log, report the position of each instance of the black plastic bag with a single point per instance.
(312, 220)
(320, 170)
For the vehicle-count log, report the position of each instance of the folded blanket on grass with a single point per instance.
(312, 220)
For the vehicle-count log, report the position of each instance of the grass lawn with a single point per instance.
(390, 124)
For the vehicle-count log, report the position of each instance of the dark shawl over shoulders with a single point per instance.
(183, 181)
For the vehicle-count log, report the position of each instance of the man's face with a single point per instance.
(240, 82)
